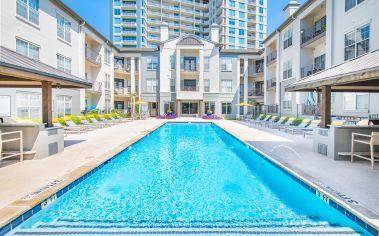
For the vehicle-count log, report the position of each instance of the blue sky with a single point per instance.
(97, 12)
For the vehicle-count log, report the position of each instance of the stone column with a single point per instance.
(133, 75)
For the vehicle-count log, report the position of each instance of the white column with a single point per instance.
(238, 87)
(139, 77)
(201, 71)
(245, 82)
(177, 70)
(133, 75)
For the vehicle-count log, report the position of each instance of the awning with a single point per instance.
(17, 70)
(358, 75)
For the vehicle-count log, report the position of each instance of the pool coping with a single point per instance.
(20, 210)
(371, 225)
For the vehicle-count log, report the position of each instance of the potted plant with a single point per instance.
(209, 113)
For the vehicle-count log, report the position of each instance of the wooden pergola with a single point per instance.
(357, 75)
(18, 71)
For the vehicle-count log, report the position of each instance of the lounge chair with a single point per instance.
(273, 119)
(302, 125)
(288, 123)
(310, 128)
(260, 117)
(267, 118)
(371, 140)
(278, 122)
(111, 122)
(100, 123)
(84, 127)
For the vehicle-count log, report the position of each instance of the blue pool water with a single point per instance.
(186, 178)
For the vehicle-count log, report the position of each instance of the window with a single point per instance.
(63, 28)
(172, 85)
(206, 64)
(287, 70)
(117, 12)
(226, 108)
(28, 105)
(261, 19)
(117, 20)
(107, 84)
(27, 49)
(349, 4)
(152, 63)
(28, 9)
(63, 63)
(209, 107)
(356, 101)
(242, 14)
(117, 3)
(260, 10)
(261, 27)
(261, 2)
(107, 56)
(241, 41)
(232, 31)
(287, 101)
(242, 6)
(117, 29)
(64, 105)
(151, 85)
(241, 32)
(231, 22)
(232, 3)
(287, 39)
(232, 12)
(117, 38)
(242, 23)
(357, 42)
(226, 64)
(206, 85)
(108, 106)
(226, 86)
(232, 40)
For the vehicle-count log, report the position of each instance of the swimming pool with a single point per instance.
(186, 179)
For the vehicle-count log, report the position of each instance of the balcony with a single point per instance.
(129, 15)
(313, 34)
(121, 91)
(271, 83)
(271, 58)
(189, 85)
(121, 68)
(312, 69)
(97, 87)
(256, 92)
(93, 57)
(189, 65)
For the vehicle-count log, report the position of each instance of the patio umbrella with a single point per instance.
(244, 104)
(139, 103)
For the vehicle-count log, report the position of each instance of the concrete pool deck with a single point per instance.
(356, 181)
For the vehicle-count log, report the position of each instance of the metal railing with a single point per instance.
(93, 56)
(310, 70)
(97, 87)
(271, 83)
(192, 67)
(270, 58)
(120, 90)
(256, 92)
(318, 28)
(189, 88)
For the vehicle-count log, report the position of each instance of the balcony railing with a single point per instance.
(120, 90)
(272, 109)
(312, 69)
(271, 83)
(190, 67)
(93, 56)
(318, 28)
(189, 87)
(271, 58)
(97, 87)
(122, 67)
(256, 92)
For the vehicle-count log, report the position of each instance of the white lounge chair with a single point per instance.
(267, 118)
(310, 128)
(249, 120)
(278, 122)
(84, 127)
(302, 125)
(371, 140)
(100, 123)
(288, 123)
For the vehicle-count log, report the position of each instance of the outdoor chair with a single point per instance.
(120, 119)
(310, 128)
(267, 118)
(288, 123)
(270, 121)
(371, 140)
(14, 136)
(278, 122)
(249, 120)
(70, 130)
(302, 125)
(111, 122)
(100, 123)
(83, 127)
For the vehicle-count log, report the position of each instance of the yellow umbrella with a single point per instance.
(244, 105)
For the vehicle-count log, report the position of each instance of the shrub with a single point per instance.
(85, 118)
(115, 115)
(276, 119)
(60, 120)
(297, 121)
(96, 116)
(105, 116)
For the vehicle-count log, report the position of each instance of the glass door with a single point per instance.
(190, 108)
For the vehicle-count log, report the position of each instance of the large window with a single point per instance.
(28, 9)
(172, 62)
(107, 83)
(226, 86)
(356, 101)
(63, 28)
(287, 39)
(107, 56)
(63, 63)
(28, 105)
(64, 105)
(357, 42)
(209, 107)
(206, 64)
(287, 69)
(226, 64)
(352, 3)
(151, 85)
(152, 63)
(207, 85)
(27, 49)
(226, 108)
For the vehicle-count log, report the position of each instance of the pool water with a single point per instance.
(189, 178)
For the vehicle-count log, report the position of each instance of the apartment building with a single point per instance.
(51, 33)
(190, 76)
(136, 23)
(316, 36)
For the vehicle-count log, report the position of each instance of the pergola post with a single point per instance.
(47, 106)
(326, 106)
